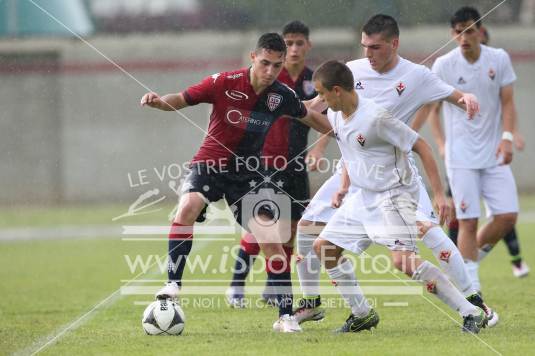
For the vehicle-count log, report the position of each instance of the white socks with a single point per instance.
(344, 279)
(437, 283)
(309, 267)
(449, 259)
(473, 271)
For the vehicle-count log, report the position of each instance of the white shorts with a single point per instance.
(386, 218)
(496, 185)
(320, 210)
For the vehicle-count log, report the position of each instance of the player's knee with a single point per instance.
(303, 223)
(403, 263)
(508, 221)
(468, 225)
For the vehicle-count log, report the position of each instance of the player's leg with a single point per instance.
(437, 283)
(345, 231)
(180, 241)
(443, 248)
(247, 253)
(520, 268)
(453, 224)
(501, 200)
(316, 215)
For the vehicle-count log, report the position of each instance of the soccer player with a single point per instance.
(519, 266)
(383, 208)
(285, 150)
(478, 151)
(401, 87)
(246, 102)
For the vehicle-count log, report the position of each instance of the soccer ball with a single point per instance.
(163, 317)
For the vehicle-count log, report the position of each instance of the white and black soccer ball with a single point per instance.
(163, 317)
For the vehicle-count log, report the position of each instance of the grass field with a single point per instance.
(49, 284)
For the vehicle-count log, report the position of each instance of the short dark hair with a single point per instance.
(296, 27)
(486, 36)
(272, 42)
(384, 24)
(333, 73)
(464, 14)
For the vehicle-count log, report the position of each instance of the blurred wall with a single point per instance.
(71, 129)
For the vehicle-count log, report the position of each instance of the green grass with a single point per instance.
(46, 285)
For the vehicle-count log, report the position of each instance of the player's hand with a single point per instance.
(314, 160)
(151, 99)
(441, 206)
(519, 141)
(471, 104)
(338, 198)
(451, 208)
(505, 150)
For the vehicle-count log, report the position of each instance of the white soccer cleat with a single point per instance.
(492, 318)
(169, 291)
(287, 324)
(521, 271)
(234, 299)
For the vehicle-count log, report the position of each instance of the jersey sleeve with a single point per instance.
(203, 92)
(433, 85)
(295, 107)
(508, 75)
(395, 132)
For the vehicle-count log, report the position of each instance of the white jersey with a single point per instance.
(402, 90)
(374, 147)
(473, 143)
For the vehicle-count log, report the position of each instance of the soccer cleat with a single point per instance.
(169, 291)
(235, 300)
(287, 324)
(303, 314)
(491, 315)
(474, 323)
(355, 324)
(520, 271)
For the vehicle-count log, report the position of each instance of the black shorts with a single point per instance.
(286, 193)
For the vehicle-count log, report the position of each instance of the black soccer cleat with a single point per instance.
(355, 324)
(474, 323)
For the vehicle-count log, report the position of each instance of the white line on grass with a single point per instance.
(44, 342)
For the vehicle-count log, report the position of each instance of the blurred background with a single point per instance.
(72, 73)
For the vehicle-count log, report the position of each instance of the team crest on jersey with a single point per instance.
(358, 85)
(445, 256)
(400, 88)
(273, 101)
(431, 287)
(361, 139)
(492, 74)
(308, 87)
(461, 81)
(463, 206)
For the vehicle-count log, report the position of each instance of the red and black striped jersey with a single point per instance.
(240, 118)
(288, 138)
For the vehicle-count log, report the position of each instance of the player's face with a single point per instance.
(467, 35)
(267, 65)
(379, 51)
(330, 97)
(297, 47)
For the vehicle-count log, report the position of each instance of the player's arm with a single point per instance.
(436, 126)
(505, 148)
(338, 196)
(169, 102)
(318, 122)
(423, 149)
(466, 101)
(317, 152)
(419, 118)
(316, 104)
